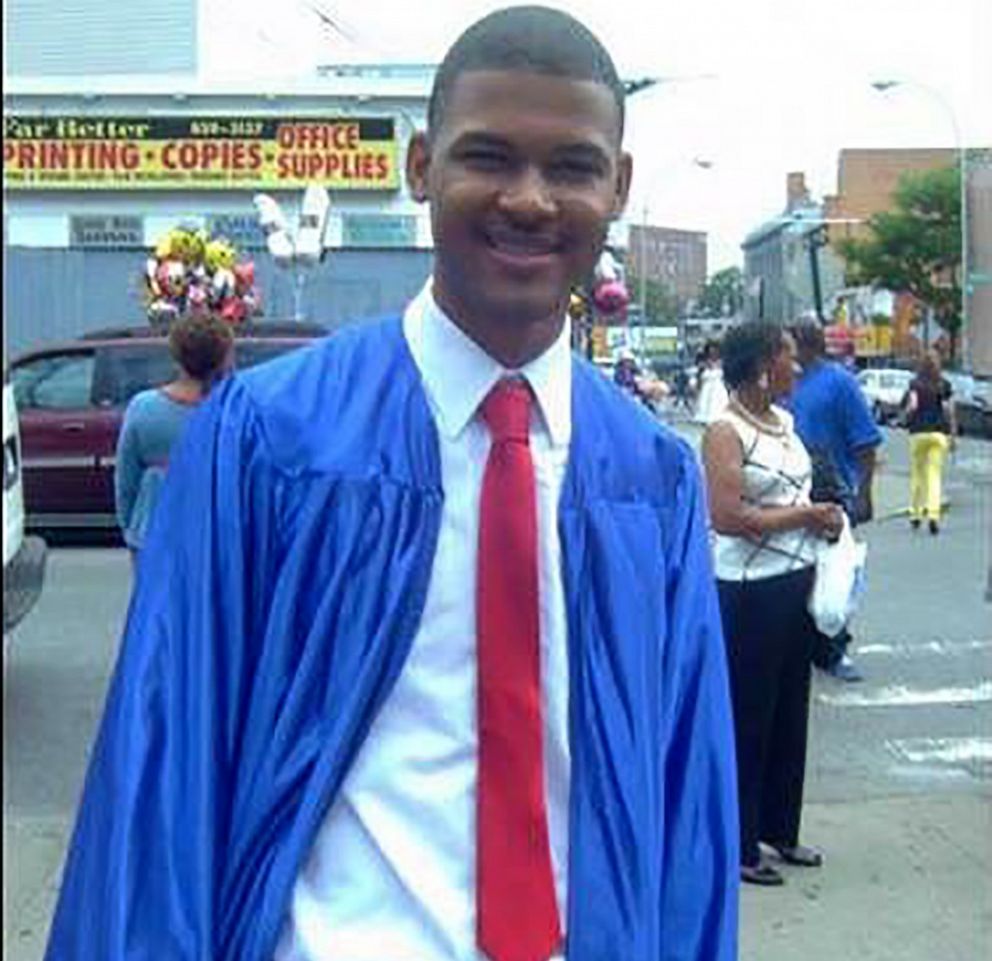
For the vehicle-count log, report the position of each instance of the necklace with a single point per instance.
(777, 428)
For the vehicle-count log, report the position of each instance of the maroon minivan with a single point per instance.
(71, 399)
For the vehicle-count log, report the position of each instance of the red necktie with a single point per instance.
(517, 909)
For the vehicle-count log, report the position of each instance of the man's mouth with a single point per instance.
(523, 249)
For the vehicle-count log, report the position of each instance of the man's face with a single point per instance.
(523, 176)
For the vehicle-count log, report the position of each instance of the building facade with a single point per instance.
(669, 256)
(113, 136)
(866, 181)
(785, 259)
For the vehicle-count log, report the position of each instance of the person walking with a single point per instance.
(766, 528)
(202, 347)
(835, 424)
(425, 660)
(930, 420)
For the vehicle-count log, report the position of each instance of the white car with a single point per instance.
(884, 389)
(23, 557)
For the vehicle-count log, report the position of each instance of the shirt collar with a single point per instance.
(458, 373)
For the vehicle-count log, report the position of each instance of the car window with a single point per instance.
(56, 382)
(250, 353)
(124, 371)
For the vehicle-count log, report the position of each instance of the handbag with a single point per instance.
(839, 582)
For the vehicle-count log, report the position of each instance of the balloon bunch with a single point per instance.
(191, 272)
(609, 293)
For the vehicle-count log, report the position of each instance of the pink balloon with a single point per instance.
(233, 310)
(610, 297)
(244, 275)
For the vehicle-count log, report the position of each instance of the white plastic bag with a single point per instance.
(840, 581)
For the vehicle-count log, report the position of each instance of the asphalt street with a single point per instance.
(899, 772)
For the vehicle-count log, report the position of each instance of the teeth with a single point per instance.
(521, 246)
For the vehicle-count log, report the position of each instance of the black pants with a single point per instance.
(769, 635)
(828, 651)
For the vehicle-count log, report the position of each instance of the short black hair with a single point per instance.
(810, 336)
(748, 348)
(201, 344)
(531, 39)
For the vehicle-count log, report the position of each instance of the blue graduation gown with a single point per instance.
(278, 597)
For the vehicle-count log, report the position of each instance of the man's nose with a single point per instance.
(528, 196)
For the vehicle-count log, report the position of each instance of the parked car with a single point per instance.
(23, 557)
(962, 385)
(974, 409)
(884, 389)
(71, 399)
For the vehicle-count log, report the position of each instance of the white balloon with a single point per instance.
(269, 213)
(314, 214)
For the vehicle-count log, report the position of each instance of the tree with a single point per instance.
(723, 294)
(916, 246)
(662, 305)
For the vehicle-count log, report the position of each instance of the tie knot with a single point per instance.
(506, 411)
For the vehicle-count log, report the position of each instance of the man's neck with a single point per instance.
(511, 345)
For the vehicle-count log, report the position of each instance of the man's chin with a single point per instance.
(524, 307)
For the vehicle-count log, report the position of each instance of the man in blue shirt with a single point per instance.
(835, 424)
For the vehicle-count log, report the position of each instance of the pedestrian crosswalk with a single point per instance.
(901, 695)
(921, 716)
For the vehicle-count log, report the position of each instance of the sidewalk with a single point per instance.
(906, 877)
(903, 880)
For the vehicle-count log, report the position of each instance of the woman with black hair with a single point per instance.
(712, 392)
(203, 349)
(931, 423)
(766, 530)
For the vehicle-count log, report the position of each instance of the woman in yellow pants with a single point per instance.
(930, 419)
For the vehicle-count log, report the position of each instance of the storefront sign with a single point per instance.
(379, 230)
(199, 153)
(106, 231)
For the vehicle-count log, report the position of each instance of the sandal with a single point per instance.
(763, 874)
(800, 855)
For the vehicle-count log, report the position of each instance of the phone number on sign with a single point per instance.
(226, 128)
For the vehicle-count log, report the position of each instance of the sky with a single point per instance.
(754, 89)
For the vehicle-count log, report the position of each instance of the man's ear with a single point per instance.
(625, 170)
(418, 162)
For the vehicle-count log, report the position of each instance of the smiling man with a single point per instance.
(424, 662)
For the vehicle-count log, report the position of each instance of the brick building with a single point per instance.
(866, 180)
(676, 258)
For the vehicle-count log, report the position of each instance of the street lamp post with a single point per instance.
(642, 273)
(884, 85)
(632, 87)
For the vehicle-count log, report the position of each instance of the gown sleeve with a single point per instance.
(143, 873)
(701, 861)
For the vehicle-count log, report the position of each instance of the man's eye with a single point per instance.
(576, 170)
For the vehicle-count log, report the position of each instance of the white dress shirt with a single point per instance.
(391, 875)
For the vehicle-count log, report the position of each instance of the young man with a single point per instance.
(834, 423)
(425, 660)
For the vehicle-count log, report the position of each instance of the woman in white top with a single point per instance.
(766, 528)
(711, 399)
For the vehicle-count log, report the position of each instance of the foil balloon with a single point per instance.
(610, 297)
(197, 299)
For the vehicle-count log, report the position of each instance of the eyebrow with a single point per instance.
(480, 138)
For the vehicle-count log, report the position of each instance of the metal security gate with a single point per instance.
(57, 294)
